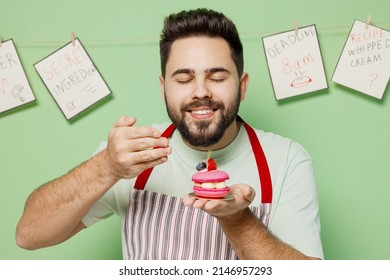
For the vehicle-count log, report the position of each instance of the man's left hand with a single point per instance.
(243, 196)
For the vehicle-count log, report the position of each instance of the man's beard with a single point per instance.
(203, 133)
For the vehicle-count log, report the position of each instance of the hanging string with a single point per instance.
(155, 39)
(334, 27)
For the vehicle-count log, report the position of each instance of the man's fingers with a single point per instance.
(125, 121)
(200, 203)
(124, 129)
(248, 193)
(146, 162)
(140, 132)
(188, 200)
(151, 155)
(244, 191)
(143, 144)
(132, 149)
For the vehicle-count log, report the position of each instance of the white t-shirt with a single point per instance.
(294, 216)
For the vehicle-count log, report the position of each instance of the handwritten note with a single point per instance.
(364, 64)
(72, 79)
(295, 62)
(15, 89)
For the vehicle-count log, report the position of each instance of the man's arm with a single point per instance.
(249, 238)
(252, 241)
(53, 212)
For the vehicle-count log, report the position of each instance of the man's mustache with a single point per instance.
(203, 103)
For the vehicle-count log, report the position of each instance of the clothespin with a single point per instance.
(72, 36)
(296, 28)
(368, 21)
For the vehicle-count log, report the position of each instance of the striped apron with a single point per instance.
(160, 227)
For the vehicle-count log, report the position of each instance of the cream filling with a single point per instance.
(211, 185)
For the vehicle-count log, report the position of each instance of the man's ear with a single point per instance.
(162, 87)
(244, 81)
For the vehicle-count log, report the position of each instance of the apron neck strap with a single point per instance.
(142, 178)
(261, 161)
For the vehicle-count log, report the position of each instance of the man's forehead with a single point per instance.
(198, 45)
(200, 54)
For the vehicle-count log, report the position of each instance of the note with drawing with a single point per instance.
(15, 89)
(364, 64)
(295, 62)
(72, 79)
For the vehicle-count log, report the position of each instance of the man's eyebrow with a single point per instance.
(216, 70)
(183, 71)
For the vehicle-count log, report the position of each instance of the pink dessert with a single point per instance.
(210, 183)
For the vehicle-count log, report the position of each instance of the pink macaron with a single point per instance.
(210, 184)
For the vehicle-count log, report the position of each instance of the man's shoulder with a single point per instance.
(275, 142)
(268, 137)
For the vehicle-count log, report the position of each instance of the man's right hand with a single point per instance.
(54, 211)
(132, 149)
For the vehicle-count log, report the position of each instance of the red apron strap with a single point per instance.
(262, 165)
(261, 162)
(142, 178)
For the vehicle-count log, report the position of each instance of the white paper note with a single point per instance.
(295, 62)
(364, 64)
(72, 79)
(15, 89)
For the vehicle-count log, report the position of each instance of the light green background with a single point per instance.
(346, 132)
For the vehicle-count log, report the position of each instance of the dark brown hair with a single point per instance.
(200, 22)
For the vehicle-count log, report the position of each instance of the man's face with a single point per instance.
(202, 89)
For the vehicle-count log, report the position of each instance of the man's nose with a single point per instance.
(201, 90)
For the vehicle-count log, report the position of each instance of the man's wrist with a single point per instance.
(105, 168)
(236, 219)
